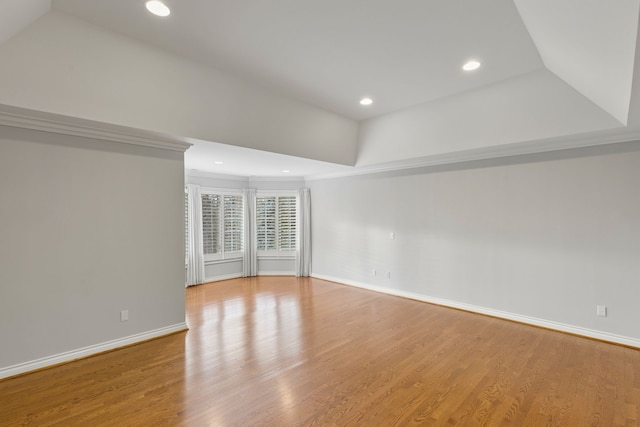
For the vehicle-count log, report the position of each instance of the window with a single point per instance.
(287, 223)
(211, 224)
(276, 224)
(222, 226)
(233, 221)
(266, 223)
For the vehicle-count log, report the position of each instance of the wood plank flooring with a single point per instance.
(280, 351)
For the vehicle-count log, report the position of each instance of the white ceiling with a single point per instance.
(402, 54)
(216, 158)
(589, 44)
(334, 52)
(17, 14)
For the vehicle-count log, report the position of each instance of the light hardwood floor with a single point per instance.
(279, 351)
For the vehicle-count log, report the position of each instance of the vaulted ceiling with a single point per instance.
(286, 76)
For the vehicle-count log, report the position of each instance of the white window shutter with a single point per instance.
(287, 223)
(211, 224)
(276, 223)
(266, 223)
(233, 223)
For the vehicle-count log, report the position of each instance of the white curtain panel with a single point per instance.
(195, 260)
(303, 254)
(250, 256)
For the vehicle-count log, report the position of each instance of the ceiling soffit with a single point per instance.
(591, 45)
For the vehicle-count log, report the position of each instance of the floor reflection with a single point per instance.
(240, 329)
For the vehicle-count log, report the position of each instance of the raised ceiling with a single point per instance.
(549, 69)
(332, 53)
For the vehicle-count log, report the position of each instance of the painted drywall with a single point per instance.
(16, 15)
(590, 45)
(222, 270)
(530, 107)
(546, 236)
(63, 65)
(87, 229)
(222, 182)
(268, 266)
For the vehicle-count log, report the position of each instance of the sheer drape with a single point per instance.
(303, 253)
(250, 256)
(195, 257)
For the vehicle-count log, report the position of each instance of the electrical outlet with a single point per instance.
(601, 310)
(124, 315)
(392, 236)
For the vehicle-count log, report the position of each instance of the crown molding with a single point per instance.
(65, 125)
(492, 152)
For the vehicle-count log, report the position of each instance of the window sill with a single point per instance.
(276, 257)
(222, 261)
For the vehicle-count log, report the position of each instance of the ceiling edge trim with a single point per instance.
(66, 125)
(486, 153)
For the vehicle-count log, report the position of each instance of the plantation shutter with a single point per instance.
(211, 223)
(266, 223)
(287, 223)
(233, 218)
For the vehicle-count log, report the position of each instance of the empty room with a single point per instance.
(336, 213)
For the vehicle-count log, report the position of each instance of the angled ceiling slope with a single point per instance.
(15, 15)
(586, 86)
(286, 77)
(333, 52)
(590, 44)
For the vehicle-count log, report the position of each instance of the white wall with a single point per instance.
(222, 270)
(277, 266)
(63, 65)
(545, 237)
(87, 229)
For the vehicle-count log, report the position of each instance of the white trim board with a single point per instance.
(276, 273)
(548, 324)
(68, 356)
(65, 125)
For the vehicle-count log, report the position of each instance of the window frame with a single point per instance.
(278, 253)
(223, 255)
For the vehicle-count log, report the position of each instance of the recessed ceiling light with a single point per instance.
(366, 101)
(471, 65)
(218, 163)
(286, 171)
(157, 8)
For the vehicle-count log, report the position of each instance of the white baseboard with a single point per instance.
(576, 330)
(276, 273)
(32, 365)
